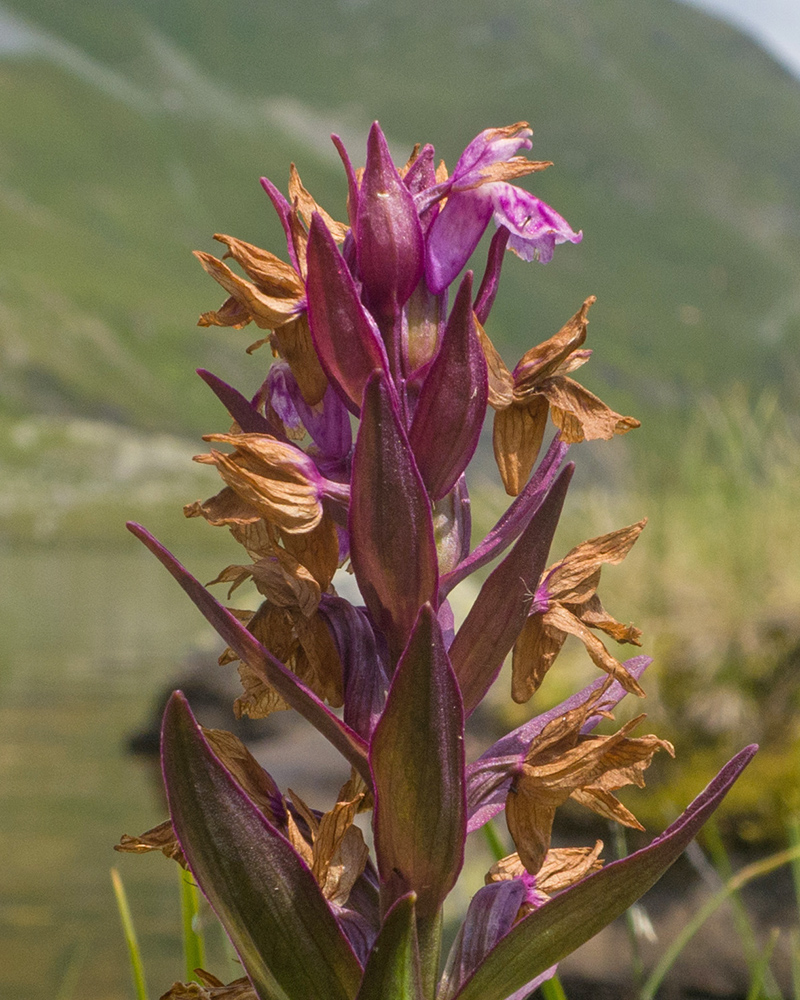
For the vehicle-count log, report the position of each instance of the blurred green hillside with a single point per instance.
(133, 130)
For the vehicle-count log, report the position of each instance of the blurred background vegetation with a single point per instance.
(132, 130)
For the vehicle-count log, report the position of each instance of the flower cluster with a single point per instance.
(364, 335)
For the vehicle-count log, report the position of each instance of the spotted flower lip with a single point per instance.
(480, 189)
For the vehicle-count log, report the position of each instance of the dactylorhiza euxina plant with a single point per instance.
(361, 327)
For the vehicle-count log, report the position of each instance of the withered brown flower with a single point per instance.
(337, 853)
(273, 294)
(561, 763)
(566, 603)
(561, 868)
(538, 385)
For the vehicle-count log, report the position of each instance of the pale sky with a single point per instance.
(773, 23)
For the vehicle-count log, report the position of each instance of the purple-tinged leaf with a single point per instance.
(389, 245)
(489, 778)
(447, 623)
(490, 916)
(452, 401)
(352, 182)
(239, 407)
(392, 971)
(391, 531)
(366, 679)
(491, 277)
(513, 522)
(283, 208)
(574, 916)
(345, 336)
(417, 759)
(501, 608)
(265, 896)
(360, 917)
(249, 650)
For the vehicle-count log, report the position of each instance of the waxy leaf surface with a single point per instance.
(389, 246)
(267, 899)
(452, 401)
(500, 609)
(391, 530)
(417, 759)
(345, 336)
(392, 971)
(556, 929)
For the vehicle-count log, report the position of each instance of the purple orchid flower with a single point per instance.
(478, 190)
(364, 336)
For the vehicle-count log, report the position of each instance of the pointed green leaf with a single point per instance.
(265, 896)
(559, 927)
(392, 971)
(417, 758)
(259, 659)
(499, 612)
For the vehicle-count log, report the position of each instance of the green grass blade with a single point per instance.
(495, 843)
(752, 952)
(794, 945)
(194, 948)
(71, 978)
(757, 986)
(129, 931)
(747, 874)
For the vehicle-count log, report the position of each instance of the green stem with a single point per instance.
(757, 991)
(130, 935)
(552, 989)
(194, 951)
(747, 874)
(429, 936)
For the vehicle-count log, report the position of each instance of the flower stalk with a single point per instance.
(365, 333)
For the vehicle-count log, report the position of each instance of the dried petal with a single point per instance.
(276, 479)
(542, 361)
(574, 578)
(268, 272)
(294, 343)
(579, 414)
(307, 206)
(266, 311)
(160, 838)
(517, 438)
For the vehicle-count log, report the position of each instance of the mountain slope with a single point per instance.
(134, 130)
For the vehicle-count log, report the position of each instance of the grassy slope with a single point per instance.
(673, 139)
